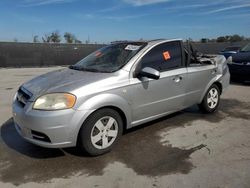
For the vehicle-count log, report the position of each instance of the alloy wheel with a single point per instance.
(104, 132)
(212, 98)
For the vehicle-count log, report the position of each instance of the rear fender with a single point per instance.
(215, 79)
(223, 75)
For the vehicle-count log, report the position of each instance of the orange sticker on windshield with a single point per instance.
(166, 55)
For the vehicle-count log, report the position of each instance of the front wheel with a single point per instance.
(100, 131)
(211, 100)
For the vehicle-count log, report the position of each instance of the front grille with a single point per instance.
(23, 96)
(40, 136)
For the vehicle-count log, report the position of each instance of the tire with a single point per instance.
(210, 103)
(100, 132)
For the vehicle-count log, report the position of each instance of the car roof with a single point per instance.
(149, 42)
(156, 41)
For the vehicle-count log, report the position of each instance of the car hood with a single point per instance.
(63, 80)
(241, 57)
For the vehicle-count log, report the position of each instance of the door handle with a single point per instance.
(177, 79)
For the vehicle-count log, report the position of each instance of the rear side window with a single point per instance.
(163, 57)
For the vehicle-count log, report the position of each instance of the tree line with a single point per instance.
(70, 38)
(55, 37)
(226, 38)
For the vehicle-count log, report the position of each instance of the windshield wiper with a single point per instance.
(88, 69)
(74, 67)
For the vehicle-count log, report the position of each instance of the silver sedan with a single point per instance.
(120, 86)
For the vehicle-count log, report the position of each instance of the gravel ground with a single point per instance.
(186, 149)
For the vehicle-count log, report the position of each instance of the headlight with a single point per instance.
(55, 101)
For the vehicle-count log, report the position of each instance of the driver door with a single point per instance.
(153, 98)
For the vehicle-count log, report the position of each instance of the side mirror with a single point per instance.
(149, 73)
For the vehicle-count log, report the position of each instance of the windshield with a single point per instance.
(110, 58)
(246, 48)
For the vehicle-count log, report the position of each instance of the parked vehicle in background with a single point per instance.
(120, 86)
(230, 50)
(240, 65)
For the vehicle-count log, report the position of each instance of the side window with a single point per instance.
(163, 57)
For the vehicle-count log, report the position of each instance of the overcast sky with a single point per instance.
(108, 20)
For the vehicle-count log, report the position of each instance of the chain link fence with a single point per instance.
(47, 54)
(43, 54)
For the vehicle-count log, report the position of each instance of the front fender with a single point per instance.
(108, 99)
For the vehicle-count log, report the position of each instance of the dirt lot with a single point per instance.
(187, 149)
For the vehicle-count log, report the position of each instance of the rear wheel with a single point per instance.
(211, 100)
(100, 131)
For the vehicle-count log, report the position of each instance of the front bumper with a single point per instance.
(52, 129)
